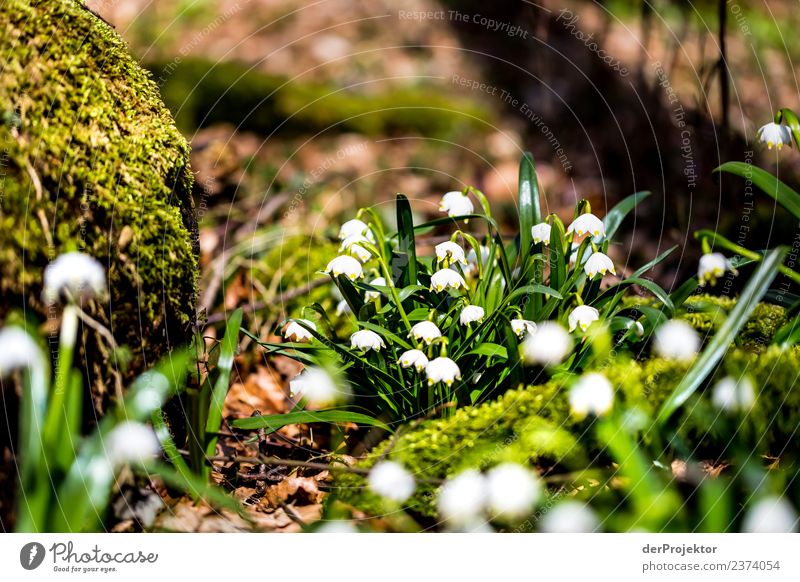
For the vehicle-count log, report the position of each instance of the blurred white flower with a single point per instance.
(456, 203)
(463, 499)
(711, 267)
(78, 275)
(733, 395)
(442, 370)
(512, 490)
(472, 259)
(470, 314)
(447, 278)
(570, 517)
(676, 340)
(366, 340)
(637, 327)
(343, 308)
(587, 223)
(131, 442)
(425, 331)
(599, 263)
(522, 327)
(317, 387)
(771, 515)
(352, 245)
(337, 526)
(416, 358)
(541, 233)
(591, 394)
(295, 332)
(775, 134)
(344, 265)
(549, 345)
(354, 227)
(449, 252)
(583, 316)
(17, 350)
(391, 480)
(375, 295)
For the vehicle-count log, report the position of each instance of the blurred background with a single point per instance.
(300, 112)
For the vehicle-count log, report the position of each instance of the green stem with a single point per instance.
(746, 253)
(56, 413)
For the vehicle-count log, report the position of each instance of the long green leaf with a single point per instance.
(407, 254)
(530, 206)
(616, 215)
(768, 183)
(723, 339)
(273, 422)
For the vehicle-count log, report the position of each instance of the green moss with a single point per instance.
(534, 423)
(92, 161)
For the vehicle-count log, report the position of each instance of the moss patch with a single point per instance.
(92, 161)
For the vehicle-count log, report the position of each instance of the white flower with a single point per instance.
(343, 308)
(733, 395)
(522, 326)
(774, 134)
(471, 314)
(456, 204)
(599, 263)
(375, 295)
(354, 227)
(366, 340)
(446, 278)
(587, 223)
(771, 515)
(317, 387)
(449, 252)
(583, 316)
(416, 358)
(17, 350)
(541, 233)
(676, 340)
(78, 275)
(549, 345)
(591, 394)
(711, 267)
(295, 332)
(352, 245)
(131, 442)
(337, 526)
(472, 258)
(442, 370)
(463, 499)
(425, 331)
(344, 265)
(390, 480)
(512, 490)
(570, 517)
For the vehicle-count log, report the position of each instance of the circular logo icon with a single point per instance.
(31, 555)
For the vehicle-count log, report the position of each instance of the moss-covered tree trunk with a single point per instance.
(92, 161)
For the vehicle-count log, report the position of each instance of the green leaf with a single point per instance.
(559, 257)
(354, 299)
(491, 350)
(382, 331)
(768, 183)
(616, 215)
(614, 291)
(530, 210)
(723, 339)
(407, 252)
(273, 422)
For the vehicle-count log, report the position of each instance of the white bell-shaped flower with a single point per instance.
(521, 327)
(591, 394)
(711, 267)
(471, 314)
(131, 442)
(456, 204)
(449, 252)
(352, 245)
(447, 279)
(295, 332)
(317, 387)
(587, 224)
(366, 340)
(442, 370)
(463, 499)
(570, 517)
(347, 266)
(17, 350)
(541, 233)
(375, 295)
(771, 515)
(733, 395)
(512, 491)
(416, 358)
(391, 481)
(354, 227)
(343, 308)
(582, 317)
(77, 275)
(676, 340)
(599, 263)
(775, 135)
(425, 331)
(549, 345)
(472, 259)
